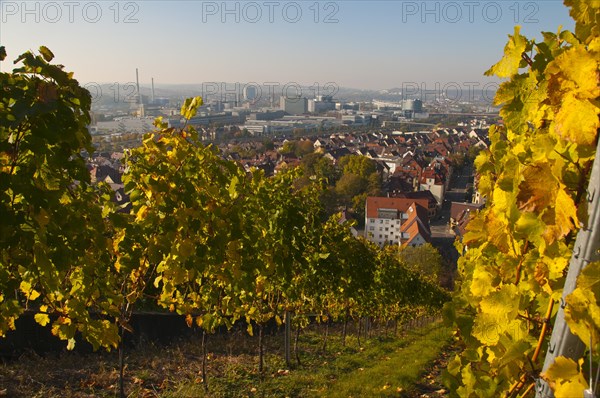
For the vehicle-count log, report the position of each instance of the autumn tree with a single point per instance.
(361, 166)
(55, 252)
(316, 164)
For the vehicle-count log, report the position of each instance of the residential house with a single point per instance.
(432, 204)
(434, 181)
(396, 221)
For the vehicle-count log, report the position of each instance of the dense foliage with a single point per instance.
(55, 255)
(517, 250)
(204, 238)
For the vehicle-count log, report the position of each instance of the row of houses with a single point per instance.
(408, 162)
(415, 168)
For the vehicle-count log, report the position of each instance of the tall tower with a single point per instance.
(153, 91)
(137, 84)
(138, 104)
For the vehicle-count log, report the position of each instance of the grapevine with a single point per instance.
(516, 251)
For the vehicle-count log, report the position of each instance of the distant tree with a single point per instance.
(269, 145)
(374, 184)
(359, 179)
(309, 161)
(330, 201)
(457, 159)
(359, 165)
(325, 168)
(473, 152)
(304, 148)
(244, 152)
(298, 148)
(358, 206)
(350, 185)
(424, 259)
(289, 147)
(318, 165)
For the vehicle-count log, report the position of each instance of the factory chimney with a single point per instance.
(152, 90)
(137, 84)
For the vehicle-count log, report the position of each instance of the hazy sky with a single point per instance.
(361, 44)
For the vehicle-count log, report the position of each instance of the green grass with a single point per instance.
(395, 371)
(384, 366)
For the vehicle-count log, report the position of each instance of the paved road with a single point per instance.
(456, 193)
(441, 236)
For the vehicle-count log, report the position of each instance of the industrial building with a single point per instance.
(293, 105)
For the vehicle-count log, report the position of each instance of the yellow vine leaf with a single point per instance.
(538, 188)
(482, 283)
(577, 120)
(561, 218)
(589, 278)
(531, 227)
(42, 319)
(503, 302)
(29, 291)
(509, 64)
(582, 312)
(565, 377)
(497, 228)
(186, 248)
(575, 70)
(141, 213)
(531, 176)
(497, 310)
(587, 15)
(556, 267)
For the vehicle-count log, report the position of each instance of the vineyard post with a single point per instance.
(288, 333)
(563, 342)
(297, 354)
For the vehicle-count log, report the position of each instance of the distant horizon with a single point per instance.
(359, 45)
(148, 85)
(213, 91)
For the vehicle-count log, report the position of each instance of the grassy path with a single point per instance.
(394, 366)
(397, 371)
(383, 367)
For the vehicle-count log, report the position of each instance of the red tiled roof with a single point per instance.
(417, 224)
(418, 195)
(457, 209)
(374, 203)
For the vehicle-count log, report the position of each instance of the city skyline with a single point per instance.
(355, 44)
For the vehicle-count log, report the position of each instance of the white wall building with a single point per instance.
(396, 221)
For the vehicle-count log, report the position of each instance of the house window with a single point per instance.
(387, 229)
(371, 228)
(379, 236)
(372, 220)
(380, 221)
